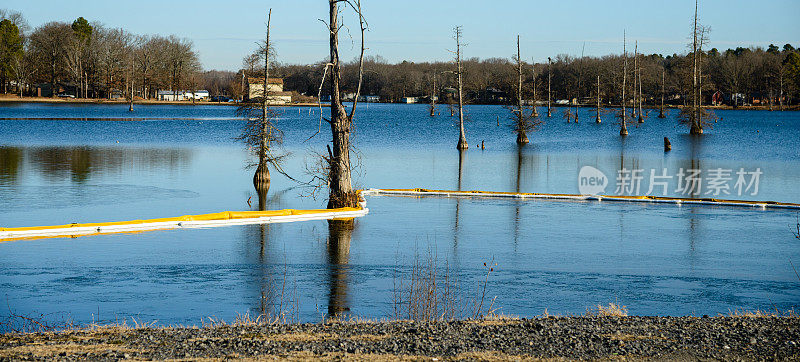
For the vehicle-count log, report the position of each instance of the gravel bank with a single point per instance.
(718, 338)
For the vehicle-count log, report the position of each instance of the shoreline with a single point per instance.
(550, 337)
(47, 100)
(16, 99)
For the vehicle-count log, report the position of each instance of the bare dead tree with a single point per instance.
(533, 85)
(623, 131)
(462, 139)
(261, 133)
(639, 89)
(635, 77)
(663, 86)
(339, 176)
(549, 81)
(696, 117)
(524, 117)
(597, 107)
(780, 77)
(433, 97)
(580, 79)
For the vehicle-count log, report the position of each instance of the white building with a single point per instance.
(173, 96)
(255, 89)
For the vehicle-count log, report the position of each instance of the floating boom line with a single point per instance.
(231, 218)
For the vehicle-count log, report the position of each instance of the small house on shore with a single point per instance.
(276, 95)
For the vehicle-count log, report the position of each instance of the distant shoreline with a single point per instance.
(15, 99)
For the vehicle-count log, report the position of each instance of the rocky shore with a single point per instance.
(592, 338)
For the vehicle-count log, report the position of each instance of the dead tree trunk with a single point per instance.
(696, 125)
(635, 68)
(780, 95)
(663, 80)
(462, 139)
(641, 112)
(533, 68)
(433, 97)
(339, 177)
(580, 79)
(522, 136)
(623, 131)
(597, 110)
(261, 178)
(549, 81)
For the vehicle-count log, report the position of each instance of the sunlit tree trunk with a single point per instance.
(261, 178)
(522, 136)
(462, 139)
(339, 176)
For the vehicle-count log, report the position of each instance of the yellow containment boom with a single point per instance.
(225, 218)
(576, 197)
(229, 218)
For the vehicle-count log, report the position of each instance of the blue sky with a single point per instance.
(224, 31)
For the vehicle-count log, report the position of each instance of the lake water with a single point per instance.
(558, 256)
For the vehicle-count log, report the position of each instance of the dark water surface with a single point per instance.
(559, 256)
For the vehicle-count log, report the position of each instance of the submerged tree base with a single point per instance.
(261, 179)
(349, 199)
(462, 144)
(522, 138)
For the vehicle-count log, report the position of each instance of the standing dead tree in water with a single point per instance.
(533, 86)
(524, 117)
(433, 97)
(696, 117)
(635, 77)
(462, 138)
(580, 79)
(623, 131)
(549, 81)
(597, 107)
(337, 163)
(638, 89)
(663, 89)
(261, 133)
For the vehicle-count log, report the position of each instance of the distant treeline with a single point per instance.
(86, 59)
(741, 75)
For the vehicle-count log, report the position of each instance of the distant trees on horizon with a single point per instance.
(95, 61)
(87, 59)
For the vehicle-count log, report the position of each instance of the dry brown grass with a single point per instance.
(49, 350)
(741, 313)
(495, 320)
(612, 310)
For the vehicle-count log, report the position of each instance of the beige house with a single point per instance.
(276, 95)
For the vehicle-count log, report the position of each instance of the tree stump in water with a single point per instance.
(667, 145)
